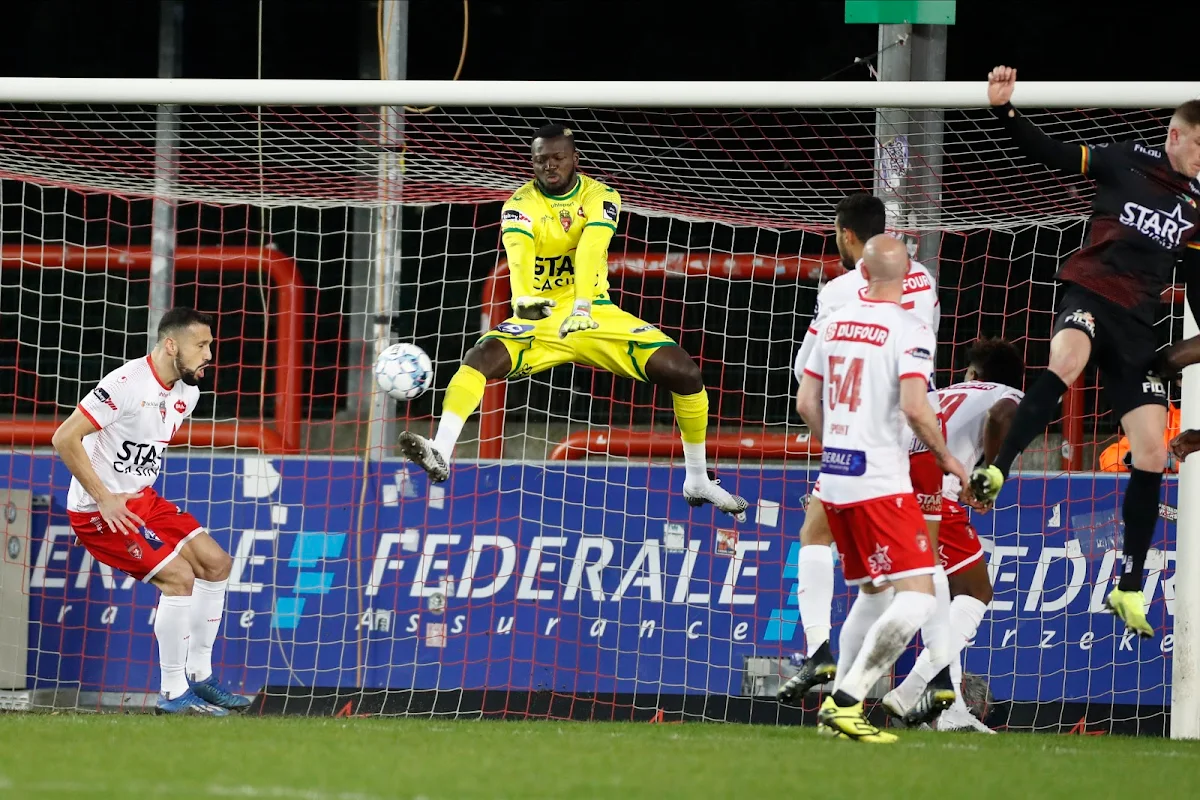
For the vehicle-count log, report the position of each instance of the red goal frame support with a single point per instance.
(497, 294)
(288, 290)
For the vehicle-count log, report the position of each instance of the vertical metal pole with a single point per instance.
(892, 126)
(925, 184)
(1185, 657)
(162, 235)
(386, 225)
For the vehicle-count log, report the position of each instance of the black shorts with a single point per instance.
(1123, 349)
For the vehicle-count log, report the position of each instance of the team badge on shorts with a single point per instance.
(1082, 320)
(135, 549)
(880, 561)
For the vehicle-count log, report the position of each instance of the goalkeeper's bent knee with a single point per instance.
(691, 412)
(464, 393)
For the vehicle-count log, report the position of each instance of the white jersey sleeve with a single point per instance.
(136, 415)
(111, 399)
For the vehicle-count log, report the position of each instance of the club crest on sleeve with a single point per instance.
(104, 397)
(919, 352)
(610, 211)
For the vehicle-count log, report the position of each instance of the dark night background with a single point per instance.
(533, 39)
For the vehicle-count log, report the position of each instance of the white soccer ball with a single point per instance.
(404, 371)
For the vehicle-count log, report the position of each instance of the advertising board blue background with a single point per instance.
(562, 576)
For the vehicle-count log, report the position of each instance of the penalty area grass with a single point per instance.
(116, 755)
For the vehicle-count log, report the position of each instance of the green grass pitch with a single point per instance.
(90, 755)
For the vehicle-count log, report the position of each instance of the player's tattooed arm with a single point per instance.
(914, 404)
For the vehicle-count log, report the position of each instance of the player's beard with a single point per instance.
(186, 375)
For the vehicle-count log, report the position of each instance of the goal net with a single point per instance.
(559, 573)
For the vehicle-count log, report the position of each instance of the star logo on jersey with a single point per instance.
(1165, 228)
(564, 218)
(880, 562)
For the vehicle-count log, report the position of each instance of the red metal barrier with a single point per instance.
(497, 295)
(640, 444)
(288, 291)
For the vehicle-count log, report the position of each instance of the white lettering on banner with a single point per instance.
(46, 553)
(1085, 641)
(508, 561)
(247, 619)
(534, 566)
(429, 561)
(244, 556)
(109, 616)
(736, 570)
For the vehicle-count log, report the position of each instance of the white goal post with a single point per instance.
(91, 93)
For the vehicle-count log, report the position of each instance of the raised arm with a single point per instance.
(1075, 158)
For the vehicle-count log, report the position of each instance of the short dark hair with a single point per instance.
(862, 213)
(554, 130)
(179, 318)
(1188, 113)
(997, 361)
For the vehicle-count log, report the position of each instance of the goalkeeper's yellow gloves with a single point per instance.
(580, 319)
(533, 307)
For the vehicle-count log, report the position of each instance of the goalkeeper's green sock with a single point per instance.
(463, 396)
(691, 412)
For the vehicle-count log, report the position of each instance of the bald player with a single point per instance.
(864, 394)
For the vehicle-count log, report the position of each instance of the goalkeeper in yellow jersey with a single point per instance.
(556, 230)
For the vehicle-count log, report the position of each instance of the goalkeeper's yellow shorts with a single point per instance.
(621, 345)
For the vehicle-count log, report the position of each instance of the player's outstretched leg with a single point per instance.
(487, 360)
(674, 370)
(172, 626)
(211, 566)
(1070, 350)
(1145, 427)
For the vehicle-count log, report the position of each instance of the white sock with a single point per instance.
(695, 460)
(965, 615)
(814, 593)
(886, 640)
(208, 605)
(865, 612)
(939, 647)
(171, 625)
(449, 429)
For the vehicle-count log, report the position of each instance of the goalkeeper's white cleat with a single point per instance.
(698, 491)
(421, 452)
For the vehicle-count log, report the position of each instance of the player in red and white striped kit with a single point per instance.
(976, 415)
(114, 443)
(864, 393)
(858, 217)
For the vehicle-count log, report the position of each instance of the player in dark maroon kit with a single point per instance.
(1144, 219)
